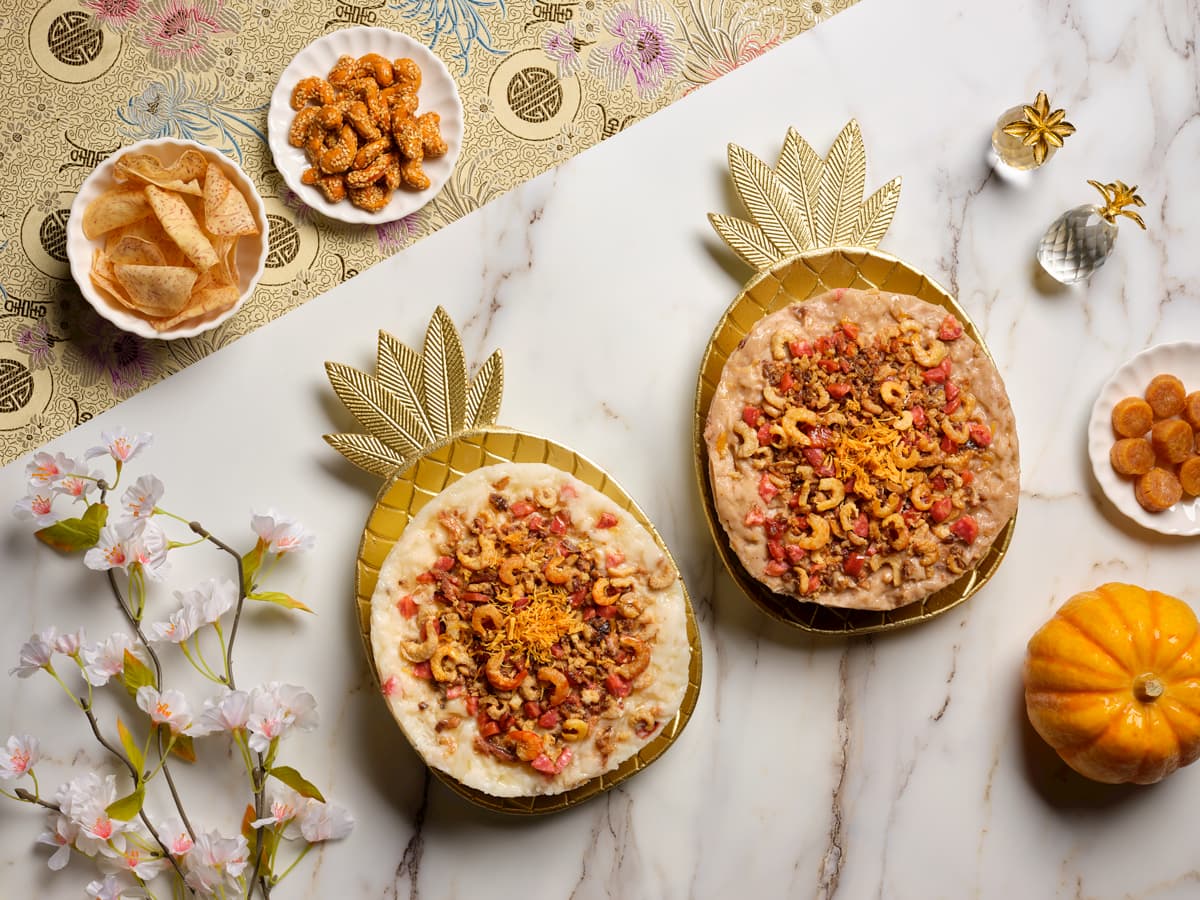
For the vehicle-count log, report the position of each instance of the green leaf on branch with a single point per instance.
(296, 782)
(279, 599)
(126, 808)
(132, 750)
(73, 535)
(251, 563)
(184, 748)
(136, 674)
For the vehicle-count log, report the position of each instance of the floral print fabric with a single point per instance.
(540, 81)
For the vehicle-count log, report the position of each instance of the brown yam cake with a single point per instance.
(862, 450)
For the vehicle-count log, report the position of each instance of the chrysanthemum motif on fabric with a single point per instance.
(645, 49)
(114, 14)
(195, 109)
(564, 47)
(181, 33)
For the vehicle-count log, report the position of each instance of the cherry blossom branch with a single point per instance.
(133, 770)
(158, 680)
(260, 772)
(23, 794)
(241, 601)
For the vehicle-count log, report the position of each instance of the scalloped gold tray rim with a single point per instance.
(387, 521)
(747, 309)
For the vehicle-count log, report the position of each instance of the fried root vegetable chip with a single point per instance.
(183, 175)
(204, 302)
(225, 209)
(148, 229)
(157, 290)
(113, 209)
(181, 225)
(105, 280)
(130, 250)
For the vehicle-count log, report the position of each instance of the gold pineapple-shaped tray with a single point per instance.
(427, 426)
(810, 231)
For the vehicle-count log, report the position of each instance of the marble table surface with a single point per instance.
(896, 766)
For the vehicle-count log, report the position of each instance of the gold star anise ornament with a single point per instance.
(1027, 136)
(1081, 239)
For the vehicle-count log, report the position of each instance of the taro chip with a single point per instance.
(105, 281)
(225, 209)
(150, 230)
(181, 225)
(157, 290)
(114, 209)
(182, 175)
(135, 251)
(204, 302)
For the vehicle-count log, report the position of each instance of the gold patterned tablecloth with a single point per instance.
(540, 81)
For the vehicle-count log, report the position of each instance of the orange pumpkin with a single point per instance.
(1112, 683)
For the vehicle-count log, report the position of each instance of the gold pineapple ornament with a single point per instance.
(1027, 136)
(1081, 239)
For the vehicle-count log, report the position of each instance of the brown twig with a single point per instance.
(241, 584)
(158, 680)
(91, 717)
(29, 798)
(259, 775)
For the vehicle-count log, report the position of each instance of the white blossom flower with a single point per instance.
(37, 505)
(133, 860)
(35, 653)
(47, 468)
(77, 486)
(180, 626)
(168, 708)
(106, 659)
(20, 755)
(286, 808)
(112, 888)
(112, 551)
(149, 544)
(69, 643)
(275, 709)
(280, 533)
(229, 712)
(325, 822)
(216, 862)
(84, 800)
(120, 446)
(211, 598)
(176, 837)
(128, 542)
(142, 496)
(61, 835)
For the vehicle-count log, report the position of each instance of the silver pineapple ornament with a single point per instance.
(1081, 239)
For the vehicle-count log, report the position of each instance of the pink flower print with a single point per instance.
(748, 48)
(179, 33)
(115, 14)
(645, 49)
(36, 341)
(563, 47)
(397, 235)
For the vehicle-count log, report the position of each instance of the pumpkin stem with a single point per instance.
(1147, 687)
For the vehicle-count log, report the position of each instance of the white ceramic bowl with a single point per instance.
(1181, 360)
(251, 249)
(438, 93)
